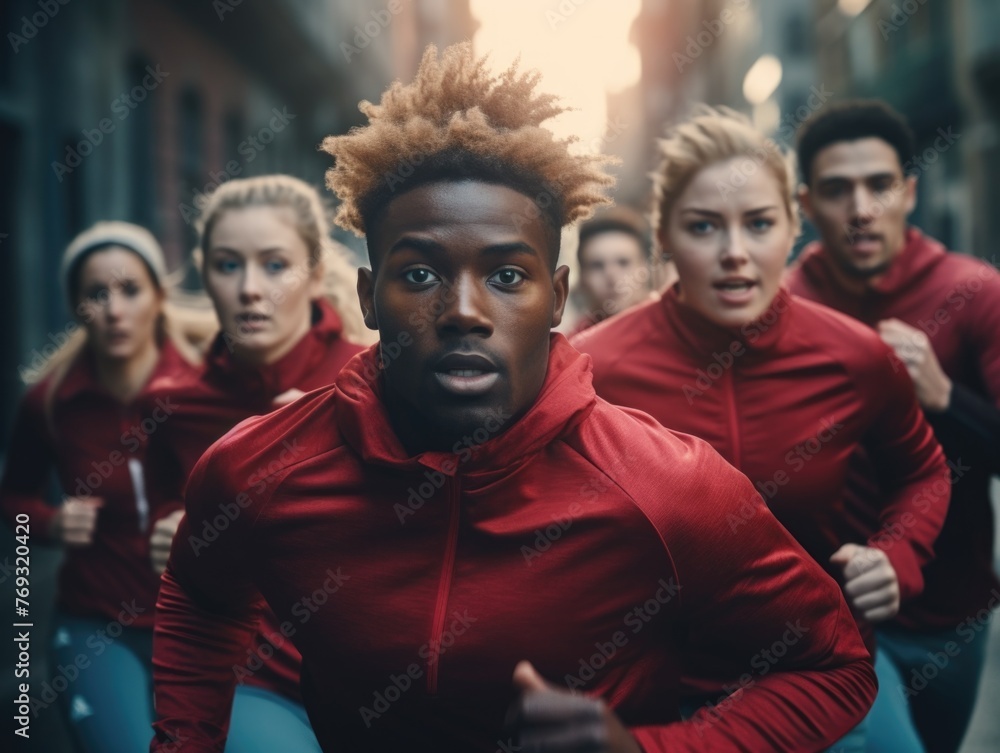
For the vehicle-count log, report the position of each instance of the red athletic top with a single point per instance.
(955, 300)
(584, 538)
(787, 399)
(98, 447)
(211, 403)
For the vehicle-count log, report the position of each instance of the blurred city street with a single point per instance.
(137, 110)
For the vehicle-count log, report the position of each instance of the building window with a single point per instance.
(190, 158)
(142, 135)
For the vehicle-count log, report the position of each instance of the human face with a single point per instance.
(259, 276)
(613, 271)
(729, 246)
(859, 199)
(118, 303)
(471, 296)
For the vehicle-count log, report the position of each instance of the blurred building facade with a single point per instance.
(938, 62)
(134, 109)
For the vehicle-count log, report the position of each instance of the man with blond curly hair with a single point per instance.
(466, 517)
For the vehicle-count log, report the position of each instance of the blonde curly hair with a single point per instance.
(457, 121)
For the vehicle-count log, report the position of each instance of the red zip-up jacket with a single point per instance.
(98, 448)
(211, 403)
(584, 538)
(955, 300)
(786, 400)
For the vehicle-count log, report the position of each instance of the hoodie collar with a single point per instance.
(703, 335)
(267, 381)
(81, 377)
(919, 255)
(566, 398)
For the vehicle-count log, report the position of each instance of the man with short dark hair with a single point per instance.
(940, 312)
(615, 265)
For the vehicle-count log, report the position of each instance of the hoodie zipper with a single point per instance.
(734, 421)
(444, 587)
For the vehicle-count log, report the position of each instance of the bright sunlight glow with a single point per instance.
(581, 47)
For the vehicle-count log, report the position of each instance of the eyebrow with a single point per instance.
(427, 246)
(262, 252)
(872, 176)
(710, 213)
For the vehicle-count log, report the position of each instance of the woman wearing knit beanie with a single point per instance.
(88, 417)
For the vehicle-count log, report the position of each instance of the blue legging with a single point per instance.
(104, 685)
(927, 689)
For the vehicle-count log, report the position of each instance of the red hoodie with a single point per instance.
(211, 403)
(98, 448)
(955, 300)
(787, 399)
(413, 584)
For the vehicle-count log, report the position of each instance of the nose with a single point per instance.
(114, 305)
(465, 308)
(251, 288)
(863, 205)
(733, 253)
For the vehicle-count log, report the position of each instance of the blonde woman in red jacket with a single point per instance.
(284, 296)
(786, 390)
(89, 416)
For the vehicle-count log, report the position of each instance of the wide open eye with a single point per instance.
(507, 277)
(275, 266)
(225, 266)
(419, 276)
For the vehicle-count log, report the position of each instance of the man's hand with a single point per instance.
(75, 522)
(913, 348)
(870, 582)
(161, 538)
(548, 718)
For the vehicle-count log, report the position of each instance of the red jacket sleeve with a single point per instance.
(912, 472)
(206, 614)
(771, 619)
(971, 422)
(29, 460)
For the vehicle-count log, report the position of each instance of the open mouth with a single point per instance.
(865, 243)
(466, 374)
(737, 286)
(251, 322)
(736, 291)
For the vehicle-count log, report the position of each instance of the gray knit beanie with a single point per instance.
(114, 233)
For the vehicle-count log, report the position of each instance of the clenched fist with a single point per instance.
(870, 582)
(161, 539)
(549, 718)
(75, 522)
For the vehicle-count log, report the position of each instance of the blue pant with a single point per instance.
(104, 684)
(927, 689)
(855, 741)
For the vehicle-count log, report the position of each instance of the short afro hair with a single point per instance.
(456, 121)
(850, 121)
(617, 219)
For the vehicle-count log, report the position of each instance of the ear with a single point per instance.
(560, 287)
(805, 201)
(910, 193)
(366, 296)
